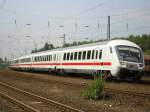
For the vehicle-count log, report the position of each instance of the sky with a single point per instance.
(26, 23)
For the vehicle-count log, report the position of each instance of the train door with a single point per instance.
(95, 59)
(32, 61)
(56, 60)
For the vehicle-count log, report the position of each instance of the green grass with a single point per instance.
(94, 90)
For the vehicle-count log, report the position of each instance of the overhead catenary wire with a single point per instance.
(76, 20)
(93, 7)
(2, 4)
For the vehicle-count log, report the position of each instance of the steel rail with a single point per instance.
(19, 103)
(141, 94)
(128, 92)
(49, 101)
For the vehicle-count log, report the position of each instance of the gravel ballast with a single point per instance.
(47, 86)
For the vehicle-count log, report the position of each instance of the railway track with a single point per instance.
(18, 103)
(84, 84)
(31, 102)
(140, 94)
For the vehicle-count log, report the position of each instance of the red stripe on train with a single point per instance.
(67, 64)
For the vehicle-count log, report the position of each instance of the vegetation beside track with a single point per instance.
(95, 89)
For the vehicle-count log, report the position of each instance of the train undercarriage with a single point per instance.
(127, 74)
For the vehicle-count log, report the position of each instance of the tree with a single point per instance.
(5, 60)
(1, 60)
(46, 47)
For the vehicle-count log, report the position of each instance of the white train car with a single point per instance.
(115, 58)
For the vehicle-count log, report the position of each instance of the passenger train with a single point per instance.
(115, 58)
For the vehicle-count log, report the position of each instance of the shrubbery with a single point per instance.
(94, 90)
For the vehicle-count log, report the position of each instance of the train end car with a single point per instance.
(128, 61)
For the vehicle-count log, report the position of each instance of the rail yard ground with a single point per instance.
(67, 90)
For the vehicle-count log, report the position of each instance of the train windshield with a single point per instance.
(128, 53)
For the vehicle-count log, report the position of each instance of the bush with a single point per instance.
(94, 90)
(3, 66)
(147, 52)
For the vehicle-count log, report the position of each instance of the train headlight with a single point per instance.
(122, 63)
(140, 65)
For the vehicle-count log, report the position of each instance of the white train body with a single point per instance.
(115, 57)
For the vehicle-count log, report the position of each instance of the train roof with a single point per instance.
(111, 43)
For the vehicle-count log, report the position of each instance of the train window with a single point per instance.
(96, 55)
(68, 55)
(64, 58)
(71, 56)
(57, 57)
(110, 49)
(40, 58)
(89, 54)
(75, 56)
(93, 54)
(27, 59)
(54, 57)
(34, 59)
(50, 57)
(79, 55)
(100, 54)
(45, 58)
(84, 55)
